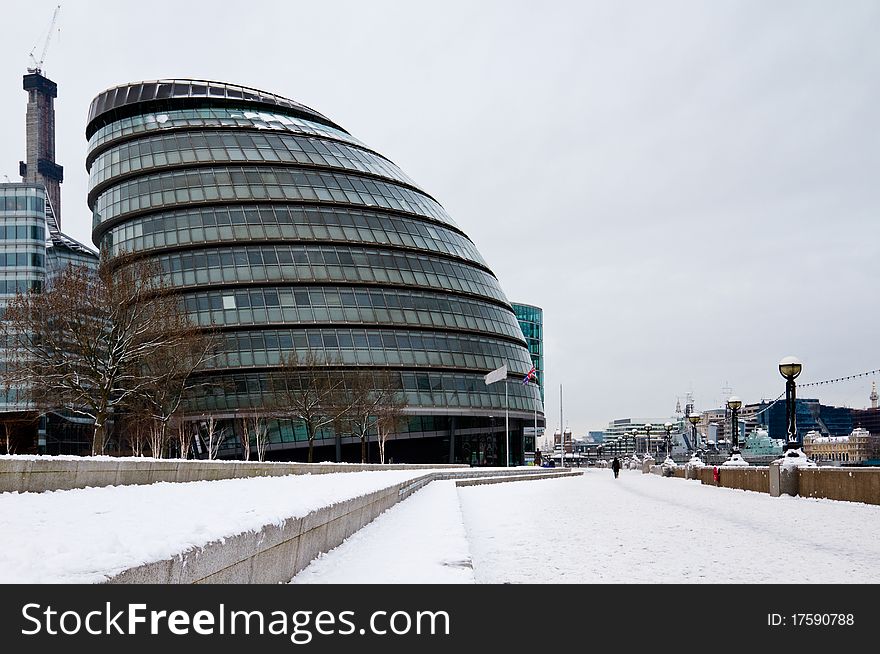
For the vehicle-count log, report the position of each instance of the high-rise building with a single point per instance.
(810, 415)
(531, 321)
(40, 168)
(32, 250)
(288, 234)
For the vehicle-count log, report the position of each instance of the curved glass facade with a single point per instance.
(289, 235)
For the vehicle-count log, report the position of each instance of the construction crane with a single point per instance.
(38, 65)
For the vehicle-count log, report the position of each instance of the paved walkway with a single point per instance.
(638, 528)
(645, 528)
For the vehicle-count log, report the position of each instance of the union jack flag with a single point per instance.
(530, 376)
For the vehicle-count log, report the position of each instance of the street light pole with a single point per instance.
(694, 418)
(734, 404)
(790, 368)
(648, 428)
(668, 428)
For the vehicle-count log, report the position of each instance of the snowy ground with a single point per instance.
(635, 529)
(419, 541)
(86, 535)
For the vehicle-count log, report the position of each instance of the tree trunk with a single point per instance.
(310, 432)
(7, 431)
(363, 448)
(98, 436)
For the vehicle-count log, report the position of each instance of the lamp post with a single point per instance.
(635, 435)
(695, 418)
(648, 428)
(734, 404)
(668, 427)
(790, 368)
(735, 458)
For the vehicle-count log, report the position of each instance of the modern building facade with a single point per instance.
(619, 440)
(810, 415)
(32, 251)
(531, 321)
(288, 234)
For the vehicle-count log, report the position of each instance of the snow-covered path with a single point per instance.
(595, 529)
(419, 541)
(647, 529)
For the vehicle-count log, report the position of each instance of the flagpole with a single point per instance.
(506, 425)
(561, 431)
(536, 413)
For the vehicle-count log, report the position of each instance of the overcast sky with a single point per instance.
(690, 189)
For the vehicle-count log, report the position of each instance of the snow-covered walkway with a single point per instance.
(595, 529)
(419, 541)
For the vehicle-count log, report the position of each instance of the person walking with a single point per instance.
(615, 466)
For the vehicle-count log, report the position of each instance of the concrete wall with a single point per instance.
(753, 478)
(278, 552)
(500, 479)
(846, 484)
(850, 484)
(36, 475)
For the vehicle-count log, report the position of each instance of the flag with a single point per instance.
(497, 375)
(530, 376)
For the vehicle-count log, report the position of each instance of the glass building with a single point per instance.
(290, 235)
(32, 251)
(531, 322)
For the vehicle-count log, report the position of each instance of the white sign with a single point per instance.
(496, 375)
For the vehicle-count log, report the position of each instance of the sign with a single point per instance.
(497, 375)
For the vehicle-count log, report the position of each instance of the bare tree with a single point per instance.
(85, 342)
(214, 435)
(158, 438)
(259, 427)
(13, 424)
(245, 438)
(364, 401)
(8, 429)
(307, 391)
(168, 375)
(390, 414)
(373, 396)
(183, 437)
(135, 429)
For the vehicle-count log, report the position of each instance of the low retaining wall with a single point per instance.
(845, 484)
(508, 478)
(276, 553)
(36, 475)
(753, 478)
(849, 484)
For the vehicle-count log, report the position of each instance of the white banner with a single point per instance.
(497, 375)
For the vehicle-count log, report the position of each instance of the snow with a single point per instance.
(597, 529)
(428, 546)
(591, 528)
(735, 461)
(87, 535)
(796, 459)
